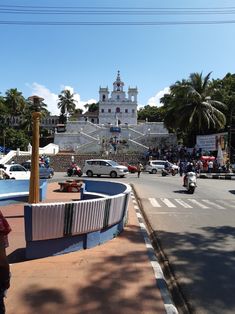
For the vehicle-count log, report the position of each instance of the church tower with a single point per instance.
(118, 109)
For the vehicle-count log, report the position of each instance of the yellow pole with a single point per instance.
(34, 177)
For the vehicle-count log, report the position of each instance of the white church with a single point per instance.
(118, 109)
(114, 128)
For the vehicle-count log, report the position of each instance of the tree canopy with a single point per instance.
(193, 107)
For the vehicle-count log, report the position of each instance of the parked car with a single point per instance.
(131, 168)
(104, 167)
(153, 166)
(44, 171)
(17, 171)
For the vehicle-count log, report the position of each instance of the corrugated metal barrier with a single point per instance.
(56, 220)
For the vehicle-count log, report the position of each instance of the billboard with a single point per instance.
(211, 142)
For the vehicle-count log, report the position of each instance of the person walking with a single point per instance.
(139, 169)
(4, 264)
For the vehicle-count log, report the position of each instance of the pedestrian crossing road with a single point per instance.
(191, 203)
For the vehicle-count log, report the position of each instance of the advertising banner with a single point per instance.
(213, 141)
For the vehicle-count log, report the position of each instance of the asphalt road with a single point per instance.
(197, 234)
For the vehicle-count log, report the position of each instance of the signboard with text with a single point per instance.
(115, 129)
(212, 141)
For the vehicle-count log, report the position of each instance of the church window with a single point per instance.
(133, 110)
(118, 97)
(102, 110)
(103, 97)
(117, 109)
(109, 110)
(126, 110)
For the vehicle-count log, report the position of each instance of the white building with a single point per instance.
(114, 128)
(118, 109)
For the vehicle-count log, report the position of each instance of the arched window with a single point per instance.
(103, 97)
(118, 109)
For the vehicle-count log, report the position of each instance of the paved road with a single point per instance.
(197, 234)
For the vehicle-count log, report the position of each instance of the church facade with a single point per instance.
(117, 108)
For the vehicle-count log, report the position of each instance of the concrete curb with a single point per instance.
(221, 176)
(158, 273)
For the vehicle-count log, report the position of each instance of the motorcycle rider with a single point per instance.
(189, 168)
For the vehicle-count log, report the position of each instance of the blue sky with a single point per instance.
(44, 59)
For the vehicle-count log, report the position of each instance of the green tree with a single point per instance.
(30, 107)
(67, 103)
(224, 90)
(92, 107)
(3, 112)
(16, 139)
(151, 113)
(15, 101)
(191, 108)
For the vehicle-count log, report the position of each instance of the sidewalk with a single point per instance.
(115, 277)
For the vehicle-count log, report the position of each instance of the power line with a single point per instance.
(118, 11)
(20, 9)
(138, 23)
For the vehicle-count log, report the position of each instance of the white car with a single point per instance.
(104, 167)
(18, 172)
(153, 166)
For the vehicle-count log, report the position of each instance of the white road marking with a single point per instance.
(183, 203)
(213, 204)
(197, 203)
(153, 202)
(167, 202)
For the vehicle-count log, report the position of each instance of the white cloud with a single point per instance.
(155, 100)
(51, 99)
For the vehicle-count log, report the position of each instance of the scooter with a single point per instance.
(166, 172)
(74, 171)
(191, 182)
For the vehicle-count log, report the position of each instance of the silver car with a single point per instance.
(153, 166)
(104, 167)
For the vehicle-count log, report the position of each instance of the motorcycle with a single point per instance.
(191, 182)
(166, 172)
(74, 171)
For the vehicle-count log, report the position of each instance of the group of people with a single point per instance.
(4, 264)
(45, 159)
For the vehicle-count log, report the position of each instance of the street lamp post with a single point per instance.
(34, 177)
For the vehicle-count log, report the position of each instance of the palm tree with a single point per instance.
(15, 101)
(191, 108)
(66, 102)
(27, 114)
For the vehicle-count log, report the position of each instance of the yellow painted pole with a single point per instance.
(34, 176)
